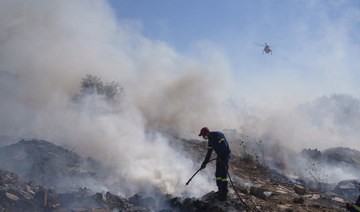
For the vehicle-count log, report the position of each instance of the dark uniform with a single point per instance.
(219, 144)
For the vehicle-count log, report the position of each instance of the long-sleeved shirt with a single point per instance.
(217, 142)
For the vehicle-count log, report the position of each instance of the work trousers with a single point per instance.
(222, 165)
(355, 208)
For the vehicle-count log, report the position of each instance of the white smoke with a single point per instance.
(51, 46)
(47, 47)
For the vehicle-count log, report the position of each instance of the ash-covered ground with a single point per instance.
(37, 175)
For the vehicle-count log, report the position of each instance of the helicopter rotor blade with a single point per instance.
(273, 45)
(258, 44)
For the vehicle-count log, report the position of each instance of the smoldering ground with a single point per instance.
(47, 48)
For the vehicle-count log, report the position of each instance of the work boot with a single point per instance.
(223, 195)
(218, 194)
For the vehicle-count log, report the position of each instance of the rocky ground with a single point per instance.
(271, 191)
(255, 186)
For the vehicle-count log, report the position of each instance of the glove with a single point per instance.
(203, 165)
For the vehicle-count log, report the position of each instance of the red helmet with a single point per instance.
(204, 131)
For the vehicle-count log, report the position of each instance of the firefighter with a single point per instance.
(218, 143)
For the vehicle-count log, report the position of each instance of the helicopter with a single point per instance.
(266, 49)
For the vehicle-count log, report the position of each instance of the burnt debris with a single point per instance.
(33, 173)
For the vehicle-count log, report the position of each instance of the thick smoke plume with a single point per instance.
(48, 47)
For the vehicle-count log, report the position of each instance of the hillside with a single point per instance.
(39, 186)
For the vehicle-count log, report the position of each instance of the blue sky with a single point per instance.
(312, 40)
(179, 23)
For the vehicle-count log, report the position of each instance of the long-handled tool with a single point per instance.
(192, 177)
(197, 172)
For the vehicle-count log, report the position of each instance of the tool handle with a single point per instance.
(193, 176)
(197, 172)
